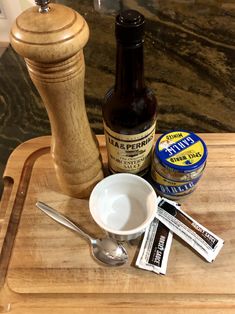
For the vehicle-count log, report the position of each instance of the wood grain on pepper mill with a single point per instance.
(52, 44)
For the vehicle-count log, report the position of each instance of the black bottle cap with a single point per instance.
(129, 27)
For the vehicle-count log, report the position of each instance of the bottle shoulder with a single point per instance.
(146, 95)
(131, 113)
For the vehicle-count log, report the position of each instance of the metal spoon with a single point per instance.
(106, 250)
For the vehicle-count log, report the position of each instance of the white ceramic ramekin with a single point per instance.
(123, 205)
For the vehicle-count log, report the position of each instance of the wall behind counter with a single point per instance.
(189, 62)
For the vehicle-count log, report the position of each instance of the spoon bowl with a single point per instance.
(109, 252)
(106, 251)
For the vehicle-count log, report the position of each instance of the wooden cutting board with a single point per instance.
(40, 256)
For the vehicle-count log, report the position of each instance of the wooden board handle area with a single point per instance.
(52, 45)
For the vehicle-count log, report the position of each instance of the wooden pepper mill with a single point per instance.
(51, 39)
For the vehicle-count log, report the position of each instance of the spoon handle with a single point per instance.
(51, 212)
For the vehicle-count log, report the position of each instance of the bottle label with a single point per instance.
(129, 153)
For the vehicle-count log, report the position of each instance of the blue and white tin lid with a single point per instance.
(181, 151)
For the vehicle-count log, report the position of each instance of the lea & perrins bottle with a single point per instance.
(129, 108)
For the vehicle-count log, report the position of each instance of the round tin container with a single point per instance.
(178, 163)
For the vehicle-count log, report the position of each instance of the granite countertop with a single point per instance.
(189, 63)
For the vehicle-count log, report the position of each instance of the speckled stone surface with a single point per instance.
(189, 63)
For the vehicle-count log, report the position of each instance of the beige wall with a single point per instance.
(10, 9)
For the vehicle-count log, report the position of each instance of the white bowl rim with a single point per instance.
(141, 227)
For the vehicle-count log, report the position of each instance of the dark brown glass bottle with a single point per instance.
(129, 108)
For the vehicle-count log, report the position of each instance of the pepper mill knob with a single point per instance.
(43, 5)
(52, 41)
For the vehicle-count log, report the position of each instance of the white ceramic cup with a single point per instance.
(123, 205)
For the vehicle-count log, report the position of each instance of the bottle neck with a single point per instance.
(129, 70)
